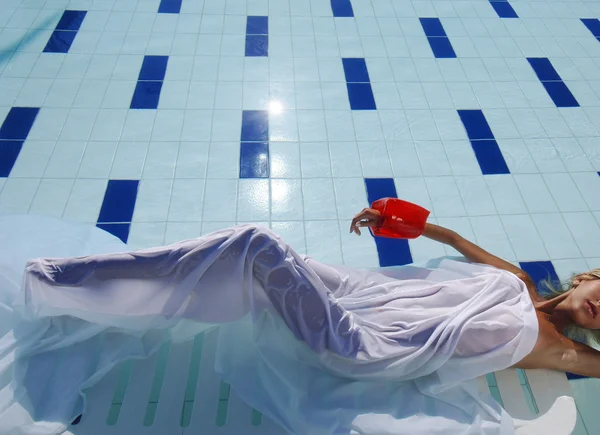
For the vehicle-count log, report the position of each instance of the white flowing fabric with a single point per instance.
(319, 349)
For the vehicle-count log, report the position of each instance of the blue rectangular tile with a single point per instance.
(560, 94)
(432, 27)
(540, 271)
(254, 160)
(543, 69)
(475, 124)
(146, 95)
(342, 8)
(71, 20)
(593, 25)
(504, 9)
(355, 70)
(361, 96)
(169, 7)
(18, 123)
(490, 158)
(257, 25)
(154, 68)
(119, 201)
(9, 152)
(60, 41)
(391, 252)
(118, 230)
(441, 47)
(255, 126)
(257, 45)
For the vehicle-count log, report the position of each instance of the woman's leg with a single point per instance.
(214, 279)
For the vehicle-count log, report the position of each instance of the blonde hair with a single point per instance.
(574, 332)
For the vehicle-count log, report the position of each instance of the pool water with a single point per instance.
(160, 120)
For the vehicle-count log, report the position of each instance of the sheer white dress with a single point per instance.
(320, 349)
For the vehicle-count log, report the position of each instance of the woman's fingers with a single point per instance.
(366, 218)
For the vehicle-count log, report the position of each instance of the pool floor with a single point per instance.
(160, 120)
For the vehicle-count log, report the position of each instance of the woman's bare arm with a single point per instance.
(476, 254)
(554, 351)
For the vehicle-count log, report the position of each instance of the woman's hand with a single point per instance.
(368, 217)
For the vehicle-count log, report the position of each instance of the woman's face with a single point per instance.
(585, 304)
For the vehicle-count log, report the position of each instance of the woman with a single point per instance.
(317, 348)
(578, 306)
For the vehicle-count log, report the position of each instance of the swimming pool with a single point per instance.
(159, 120)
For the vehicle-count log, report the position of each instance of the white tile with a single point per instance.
(422, 126)
(311, 125)
(339, 125)
(174, 95)
(505, 194)
(255, 95)
(197, 125)
(588, 184)
(253, 200)
(91, 93)
(109, 124)
(462, 226)
(414, 189)
(192, 160)
(319, 199)
(18, 194)
(572, 154)
(375, 160)
(357, 251)
(323, 241)
(48, 124)
(445, 197)
(350, 196)
(423, 249)
(545, 155)
(33, 93)
(85, 201)
(144, 235)
(283, 127)
(220, 199)
(129, 161)
(536, 195)
(315, 159)
(65, 160)
(585, 231)
(138, 125)
(517, 156)
(168, 125)
(224, 160)
(284, 160)
(491, 236)
(152, 201)
(33, 159)
(160, 160)
(524, 238)
(226, 125)
(187, 198)
(556, 236)
(404, 158)
(565, 192)
(433, 158)
(228, 95)
(475, 195)
(179, 231)
(527, 123)
(286, 200)
(367, 126)
(97, 160)
(345, 159)
(461, 157)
